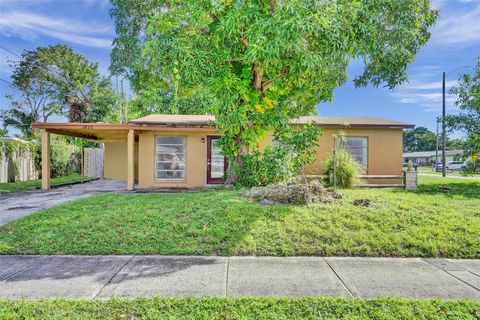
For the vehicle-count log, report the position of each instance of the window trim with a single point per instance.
(155, 177)
(366, 137)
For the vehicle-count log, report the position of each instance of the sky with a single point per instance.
(86, 26)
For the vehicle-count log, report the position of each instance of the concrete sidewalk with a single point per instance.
(35, 277)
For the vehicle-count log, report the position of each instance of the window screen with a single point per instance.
(170, 158)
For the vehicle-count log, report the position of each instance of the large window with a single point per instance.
(170, 161)
(357, 147)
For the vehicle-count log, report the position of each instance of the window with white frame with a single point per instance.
(357, 147)
(170, 158)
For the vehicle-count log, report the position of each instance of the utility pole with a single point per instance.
(436, 147)
(444, 130)
(444, 127)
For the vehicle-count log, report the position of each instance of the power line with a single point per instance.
(6, 81)
(10, 51)
(48, 70)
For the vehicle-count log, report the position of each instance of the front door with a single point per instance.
(216, 162)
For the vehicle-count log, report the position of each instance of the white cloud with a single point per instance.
(426, 94)
(428, 101)
(30, 25)
(458, 28)
(100, 3)
(436, 85)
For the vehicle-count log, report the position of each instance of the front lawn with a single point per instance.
(442, 219)
(241, 308)
(36, 184)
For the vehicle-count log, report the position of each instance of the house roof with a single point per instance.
(427, 154)
(352, 121)
(175, 119)
(205, 120)
(103, 131)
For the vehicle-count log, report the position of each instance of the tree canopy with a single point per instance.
(419, 139)
(266, 62)
(468, 100)
(55, 80)
(422, 139)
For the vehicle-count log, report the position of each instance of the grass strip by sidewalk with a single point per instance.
(241, 308)
(36, 184)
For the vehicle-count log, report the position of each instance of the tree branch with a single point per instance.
(257, 76)
(266, 84)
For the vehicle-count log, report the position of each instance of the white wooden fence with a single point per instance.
(18, 167)
(93, 162)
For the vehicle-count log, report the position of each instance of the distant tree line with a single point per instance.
(422, 139)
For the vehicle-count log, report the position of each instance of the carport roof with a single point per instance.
(109, 132)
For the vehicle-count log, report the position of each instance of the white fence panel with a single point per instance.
(93, 162)
(19, 167)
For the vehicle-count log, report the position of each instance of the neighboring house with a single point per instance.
(180, 150)
(427, 158)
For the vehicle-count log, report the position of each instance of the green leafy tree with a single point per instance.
(468, 100)
(62, 82)
(36, 99)
(163, 101)
(419, 139)
(161, 94)
(3, 133)
(266, 62)
(20, 119)
(456, 144)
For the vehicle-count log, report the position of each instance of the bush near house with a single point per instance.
(270, 166)
(472, 167)
(346, 172)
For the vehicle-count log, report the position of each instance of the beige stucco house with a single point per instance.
(180, 150)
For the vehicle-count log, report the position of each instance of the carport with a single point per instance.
(93, 131)
(102, 132)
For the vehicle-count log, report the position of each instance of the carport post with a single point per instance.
(130, 159)
(45, 159)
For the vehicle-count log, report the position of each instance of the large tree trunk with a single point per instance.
(237, 163)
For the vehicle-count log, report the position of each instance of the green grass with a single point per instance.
(431, 222)
(449, 173)
(241, 308)
(36, 184)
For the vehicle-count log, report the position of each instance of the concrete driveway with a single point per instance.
(16, 205)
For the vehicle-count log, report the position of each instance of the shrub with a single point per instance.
(280, 164)
(65, 158)
(348, 170)
(273, 165)
(471, 167)
(295, 193)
